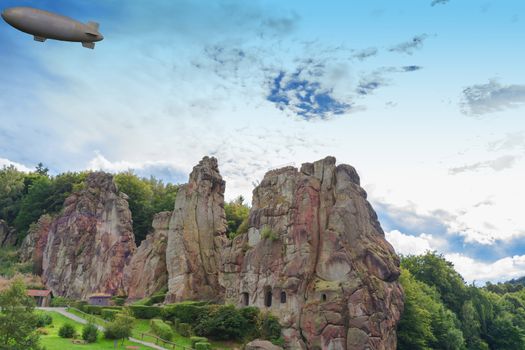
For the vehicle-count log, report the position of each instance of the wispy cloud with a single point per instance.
(366, 53)
(492, 97)
(439, 2)
(498, 164)
(409, 47)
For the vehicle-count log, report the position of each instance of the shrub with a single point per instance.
(156, 299)
(43, 320)
(120, 328)
(270, 328)
(61, 302)
(145, 312)
(184, 329)
(250, 328)
(79, 304)
(109, 314)
(195, 340)
(161, 329)
(203, 346)
(67, 331)
(185, 312)
(93, 309)
(90, 333)
(223, 322)
(42, 331)
(267, 233)
(119, 301)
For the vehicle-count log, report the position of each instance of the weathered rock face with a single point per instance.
(315, 255)
(197, 235)
(261, 345)
(8, 236)
(90, 242)
(34, 244)
(147, 272)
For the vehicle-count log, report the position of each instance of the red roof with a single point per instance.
(38, 293)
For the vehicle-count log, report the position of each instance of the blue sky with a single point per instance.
(425, 98)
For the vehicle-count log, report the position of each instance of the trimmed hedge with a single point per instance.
(93, 309)
(145, 312)
(109, 314)
(203, 346)
(195, 340)
(156, 299)
(161, 329)
(184, 329)
(186, 312)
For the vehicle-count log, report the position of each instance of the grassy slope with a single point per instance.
(53, 342)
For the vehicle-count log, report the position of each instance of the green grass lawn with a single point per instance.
(53, 342)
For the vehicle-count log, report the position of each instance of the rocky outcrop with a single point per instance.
(147, 272)
(261, 345)
(196, 236)
(8, 236)
(315, 256)
(90, 242)
(34, 244)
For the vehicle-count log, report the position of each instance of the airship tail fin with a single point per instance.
(89, 45)
(93, 25)
(39, 38)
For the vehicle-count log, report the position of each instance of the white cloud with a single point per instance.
(492, 97)
(480, 272)
(7, 162)
(414, 245)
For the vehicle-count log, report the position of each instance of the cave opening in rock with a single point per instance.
(323, 297)
(245, 299)
(283, 297)
(268, 297)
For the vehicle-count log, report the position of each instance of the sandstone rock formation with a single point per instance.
(315, 256)
(8, 237)
(147, 272)
(34, 244)
(90, 242)
(196, 236)
(261, 345)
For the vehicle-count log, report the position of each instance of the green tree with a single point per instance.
(34, 204)
(120, 328)
(432, 269)
(11, 192)
(236, 216)
(17, 319)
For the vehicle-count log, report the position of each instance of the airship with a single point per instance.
(45, 25)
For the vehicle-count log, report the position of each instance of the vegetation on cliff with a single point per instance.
(24, 197)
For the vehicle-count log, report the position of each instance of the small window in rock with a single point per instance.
(268, 298)
(245, 299)
(283, 297)
(323, 297)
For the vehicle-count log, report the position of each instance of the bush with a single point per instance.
(203, 346)
(109, 314)
(184, 329)
(120, 328)
(161, 329)
(90, 333)
(67, 331)
(42, 331)
(61, 302)
(270, 328)
(119, 301)
(185, 312)
(79, 304)
(93, 309)
(145, 312)
(267, 233)
(224, 322)
(156, 299)
(43, 320)
(195, 340)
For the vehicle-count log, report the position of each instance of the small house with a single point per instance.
(99, 299)
(42, 297)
